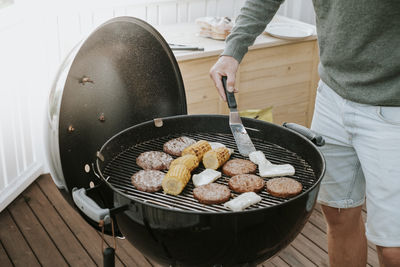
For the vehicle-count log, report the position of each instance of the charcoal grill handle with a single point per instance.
(312, 136)
(230, 97)
(89, 207)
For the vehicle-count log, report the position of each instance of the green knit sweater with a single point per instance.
(359, 43)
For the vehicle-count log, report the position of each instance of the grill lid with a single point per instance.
(124, 73)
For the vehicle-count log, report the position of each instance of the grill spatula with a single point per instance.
(242, 139)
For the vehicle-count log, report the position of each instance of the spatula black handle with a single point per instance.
(230, 97)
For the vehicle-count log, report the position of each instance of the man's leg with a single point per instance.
(377, 143)
(342, 190)
(347, 244)
(389, 256)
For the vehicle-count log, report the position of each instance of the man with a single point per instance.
(357, 111)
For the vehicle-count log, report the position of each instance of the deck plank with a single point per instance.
(42, 216)
(43, 247)
(276, 262)
(4, 259)
(318, 221)
(14, 243)
(294, 258)
(372, 258)
(86, 235)
(69, 246)
(312, 252)
(315, 235)
(128, 253)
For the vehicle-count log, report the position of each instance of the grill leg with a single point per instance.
(109, 257)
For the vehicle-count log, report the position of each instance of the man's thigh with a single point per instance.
(343, 185)
(377, 143)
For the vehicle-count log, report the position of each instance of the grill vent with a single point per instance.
(123, 166)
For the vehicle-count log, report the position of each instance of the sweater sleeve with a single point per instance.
(251, 22)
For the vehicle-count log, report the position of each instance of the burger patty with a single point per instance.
(284, 187)
(246, 183)
(176, 146)
(238, 166)
(154, 160)
(212, 193)
(148, 180)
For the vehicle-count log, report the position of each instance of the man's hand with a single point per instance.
(225, 66)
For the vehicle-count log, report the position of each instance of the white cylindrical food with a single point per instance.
(176, 179)
(205, 177)
(243, 201)
(272, 170)
(215, 145)
(267, 169)
(198, 149)
(189, 160)
(258, 157)
(214, 159)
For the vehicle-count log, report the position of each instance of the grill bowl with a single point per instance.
(176, 230)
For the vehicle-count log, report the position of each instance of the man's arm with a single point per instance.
(254, 17)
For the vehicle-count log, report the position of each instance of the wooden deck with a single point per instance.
(41, 229)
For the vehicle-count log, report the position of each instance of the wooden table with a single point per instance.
(275, 72)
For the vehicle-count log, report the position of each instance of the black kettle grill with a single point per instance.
(120, 93)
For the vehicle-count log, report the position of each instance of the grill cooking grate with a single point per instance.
(123, 166)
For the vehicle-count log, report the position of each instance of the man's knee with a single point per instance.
(336, 217)
(389, 255)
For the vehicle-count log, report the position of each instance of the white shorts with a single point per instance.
(362, 153)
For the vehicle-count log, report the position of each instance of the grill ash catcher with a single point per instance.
(119, 93)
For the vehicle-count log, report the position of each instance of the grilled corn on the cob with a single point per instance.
(198, 149)
(176, 179)
(190, 161)
(215, 158)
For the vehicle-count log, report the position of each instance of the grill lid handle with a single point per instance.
(89, 207)
(312, 136)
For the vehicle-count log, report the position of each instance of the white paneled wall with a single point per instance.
(21, 106)
(298, 9)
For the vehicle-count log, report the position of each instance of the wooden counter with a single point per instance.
(275, 72)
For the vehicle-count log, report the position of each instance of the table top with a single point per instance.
(187, 34)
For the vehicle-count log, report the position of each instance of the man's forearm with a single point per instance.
(253, 18)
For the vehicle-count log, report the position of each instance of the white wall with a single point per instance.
(298, 9)
(21, 103)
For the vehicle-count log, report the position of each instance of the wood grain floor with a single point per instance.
(41, 229)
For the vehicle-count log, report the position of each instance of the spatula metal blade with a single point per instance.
(242, 139)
